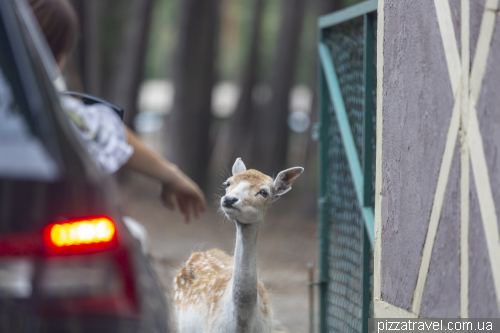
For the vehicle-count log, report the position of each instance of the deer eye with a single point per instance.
(263, 193)
(226, 184)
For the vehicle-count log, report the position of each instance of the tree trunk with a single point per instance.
(309, 192)
(243, 121)
(193, 79)
(130, 73)
(86, 56)
(270, 152)
(328, 6)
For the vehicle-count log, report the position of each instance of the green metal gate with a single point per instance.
(347, 166)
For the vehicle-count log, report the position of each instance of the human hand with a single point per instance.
(188, 195)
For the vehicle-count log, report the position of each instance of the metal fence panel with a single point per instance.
(346, 203)
(344, 295)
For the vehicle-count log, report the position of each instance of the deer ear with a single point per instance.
(239, 167)
(284, 180)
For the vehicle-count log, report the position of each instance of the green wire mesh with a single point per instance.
(345, 253)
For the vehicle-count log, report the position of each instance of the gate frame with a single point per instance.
(329, 89)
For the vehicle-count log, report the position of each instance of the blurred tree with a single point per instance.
(328, 6)
(270, 150)
(130, 70)
(86, 56)
(162, 39)
(242, 122)
(234, 15)
(347, 3)
(189, 123)
(309, 192)
(270, 34)
(116, 20)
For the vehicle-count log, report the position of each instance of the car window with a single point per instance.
(22, 153)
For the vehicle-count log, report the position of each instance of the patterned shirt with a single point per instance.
(102, 132)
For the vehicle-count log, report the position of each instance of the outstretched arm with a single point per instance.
(174, 182)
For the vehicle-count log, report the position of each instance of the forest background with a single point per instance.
(204, 82)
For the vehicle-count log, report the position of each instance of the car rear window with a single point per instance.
(22, 153)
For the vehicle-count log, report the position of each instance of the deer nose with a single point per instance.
(229, 201)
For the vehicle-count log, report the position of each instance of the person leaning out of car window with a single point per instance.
(108, 140)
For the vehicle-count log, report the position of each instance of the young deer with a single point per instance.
(217, 293)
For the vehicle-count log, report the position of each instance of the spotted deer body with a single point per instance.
(214, 292)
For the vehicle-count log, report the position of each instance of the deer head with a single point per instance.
(249, 192)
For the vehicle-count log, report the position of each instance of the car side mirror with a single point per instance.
(90, 100)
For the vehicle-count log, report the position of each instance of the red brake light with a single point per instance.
(90, 231)
(97, 233)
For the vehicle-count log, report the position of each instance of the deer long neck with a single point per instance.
(245, 270)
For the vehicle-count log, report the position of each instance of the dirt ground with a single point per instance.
(287, 243)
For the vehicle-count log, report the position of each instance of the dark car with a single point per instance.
(68, 263)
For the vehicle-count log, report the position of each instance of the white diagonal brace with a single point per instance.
(478, 158)
(483, 48)
(444, 173)
(443, 13)
(485, 197)
(449, 41)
